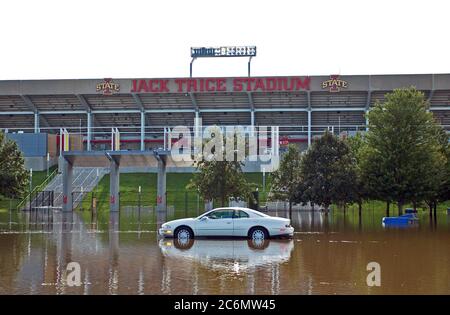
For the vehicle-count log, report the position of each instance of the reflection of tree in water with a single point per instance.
(336, 263)
(12, 252)
(412, 261)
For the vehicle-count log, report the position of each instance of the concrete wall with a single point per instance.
(38, 163)
(31, 144)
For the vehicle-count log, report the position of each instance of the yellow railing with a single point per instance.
(37, 188)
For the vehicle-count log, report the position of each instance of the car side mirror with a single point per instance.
(203, 218)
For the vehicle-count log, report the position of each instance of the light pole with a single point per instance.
(264, 179)
(190, 68)
(139, 189)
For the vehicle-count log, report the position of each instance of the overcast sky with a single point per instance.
(131, 39)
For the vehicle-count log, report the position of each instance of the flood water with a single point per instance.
(122, 254)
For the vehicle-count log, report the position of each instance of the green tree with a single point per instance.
(219, 178)
(14, 178)
(358, 146)
(286, 180)
(403, 148)
(327, 172)
(441, 192)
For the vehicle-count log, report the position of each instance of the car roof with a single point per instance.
(238, 208)
(231, 208)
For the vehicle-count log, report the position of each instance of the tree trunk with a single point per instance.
(400, 207)
(290, 209)
(415, 206)
(430, 206)
(435, 210)
(360, 222)
(359, 209)
(388, 205)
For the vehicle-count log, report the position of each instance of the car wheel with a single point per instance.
(258, 244)
(258, 233)
(184, 233)
(183, 243)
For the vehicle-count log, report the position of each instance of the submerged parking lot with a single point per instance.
(120, 253)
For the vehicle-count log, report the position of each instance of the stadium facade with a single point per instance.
(145, 110)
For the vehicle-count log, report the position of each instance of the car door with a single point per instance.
(216, 223)
(241, 223)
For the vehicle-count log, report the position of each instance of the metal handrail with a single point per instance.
(37, 188)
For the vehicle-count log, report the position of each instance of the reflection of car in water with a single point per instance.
(227, 253)
(232, 221)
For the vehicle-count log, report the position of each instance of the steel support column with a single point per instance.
(142, 131)
(367, 120)
(36, 122)
(161, 193)
(197, 131)
(114, 182)
(89, 135)
(309, 128)
(369, 100)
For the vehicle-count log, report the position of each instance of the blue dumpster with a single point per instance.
(403, 220)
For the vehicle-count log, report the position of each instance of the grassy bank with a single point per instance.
(177, 195)
(38, 178)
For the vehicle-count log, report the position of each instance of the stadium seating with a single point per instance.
(225, 100)
(17, 122)
(341, 99)
(277, 99)
(339, 111)
(12, 103)
(440, 98)
(443, 118)
(56, 102)
(167, 101)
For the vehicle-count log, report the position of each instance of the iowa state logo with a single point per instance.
(334, 84)
(107, 87)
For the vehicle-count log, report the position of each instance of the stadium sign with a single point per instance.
(334, 84)
(199, 85)
(229, 51)
(107, 87)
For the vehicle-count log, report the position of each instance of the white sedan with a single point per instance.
(232, 221)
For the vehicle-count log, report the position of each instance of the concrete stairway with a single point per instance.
(84, 180)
